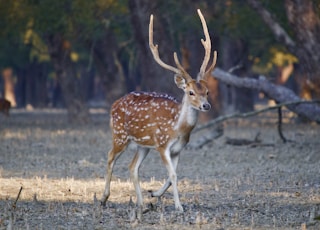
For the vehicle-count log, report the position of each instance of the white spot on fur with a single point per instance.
(146, 138)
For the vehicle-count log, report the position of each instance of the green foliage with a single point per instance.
(227, 19)
(237, 20)
(12, 52)
(26, 23)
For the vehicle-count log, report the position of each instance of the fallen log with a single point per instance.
(278, 93)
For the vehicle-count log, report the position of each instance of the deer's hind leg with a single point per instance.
(134, 171)
(113, 155)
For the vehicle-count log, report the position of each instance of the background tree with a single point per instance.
(301, 36)
(13, 54)
(78, 47)
(58, 28)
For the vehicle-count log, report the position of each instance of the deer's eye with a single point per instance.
(207, 93)
(191, 93)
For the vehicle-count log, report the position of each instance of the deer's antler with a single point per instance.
(207, 47)
(155, 52)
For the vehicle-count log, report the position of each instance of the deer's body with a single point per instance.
(5, 106)
(151, 120)
(157, 121)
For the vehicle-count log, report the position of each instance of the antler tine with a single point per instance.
(207, 47)
(185, 74)
(214, 61)
(155, 51)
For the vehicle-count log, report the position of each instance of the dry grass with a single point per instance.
(76, 190)
(48, 189)
(61, 169)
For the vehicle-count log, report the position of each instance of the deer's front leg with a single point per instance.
(171, 167)
(164, 188)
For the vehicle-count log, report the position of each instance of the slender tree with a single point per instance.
(302, 38)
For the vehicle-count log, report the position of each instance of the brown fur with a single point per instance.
(5, 106)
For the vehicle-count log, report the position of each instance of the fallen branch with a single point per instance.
(205, 139)
(249, 114)
(241, 141)
(280, 125)
(278, 93)
(18, 196)
(10, 225)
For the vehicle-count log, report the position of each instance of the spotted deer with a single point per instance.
(5, 106)
(158, 121)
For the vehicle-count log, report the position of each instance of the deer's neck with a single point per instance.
(188, 117)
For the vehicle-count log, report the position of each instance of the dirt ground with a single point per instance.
(60, 167)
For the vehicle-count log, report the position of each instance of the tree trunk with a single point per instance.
(104, 53)
(9, 86)
(235, 53)
(153, 77)
(21, 86)
(59, 50)
(41, 99)
(305, 22)
(36, 85)
(283, 73)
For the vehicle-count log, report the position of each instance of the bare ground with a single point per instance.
(271, 185)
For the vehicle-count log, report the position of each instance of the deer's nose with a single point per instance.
(206, 106)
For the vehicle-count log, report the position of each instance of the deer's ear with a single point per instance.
(180, 81)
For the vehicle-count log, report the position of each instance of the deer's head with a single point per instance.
(196, 91)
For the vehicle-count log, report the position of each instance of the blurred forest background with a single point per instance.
(78, 54)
